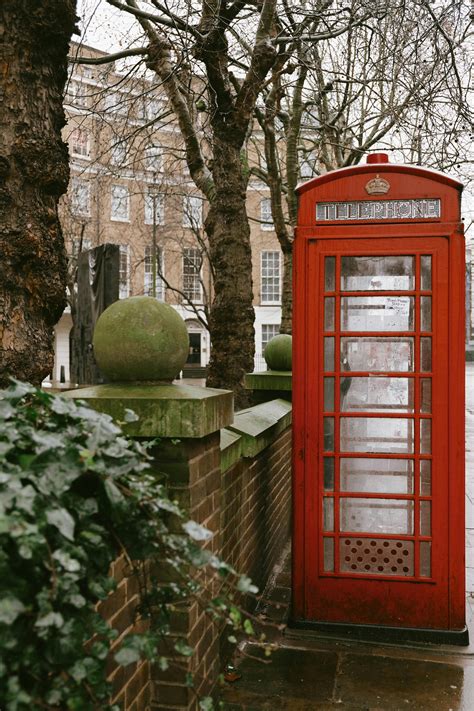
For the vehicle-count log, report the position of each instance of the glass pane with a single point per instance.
(426, 273)
(329, 314)
(328, 544)
(377, 313)
(376, 557)
(426, 313)
(425, 477)
(329, 394)
(328, 434)
(425, 559)
(377, 354)
(426, 355)
(328, 514)
(377, 273)
(328, 474)
(377, 476)
(329, 353)
(330, 274)
(376, 434)
(425, 436)
(377, 394)
(425, 404)
(376, 516)
(425, 518)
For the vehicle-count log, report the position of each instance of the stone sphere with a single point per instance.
(277, 352)
(139, 339)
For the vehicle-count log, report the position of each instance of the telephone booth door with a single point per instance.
(376, 543)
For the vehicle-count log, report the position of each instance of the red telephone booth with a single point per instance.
(378, 388)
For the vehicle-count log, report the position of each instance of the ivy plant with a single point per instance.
(76, 494)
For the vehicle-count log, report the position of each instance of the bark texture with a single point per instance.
(34, 173)
(231, 314)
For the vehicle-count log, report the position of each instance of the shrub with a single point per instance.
(75, 494)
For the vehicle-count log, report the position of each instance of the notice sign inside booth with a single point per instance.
(425, 209)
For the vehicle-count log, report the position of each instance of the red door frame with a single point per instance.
(308, 607)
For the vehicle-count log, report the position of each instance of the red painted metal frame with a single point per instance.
(437, 602)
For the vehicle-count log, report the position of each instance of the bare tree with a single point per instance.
(33, 174)
(397, 81)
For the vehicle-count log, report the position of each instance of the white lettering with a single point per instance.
(425, 209)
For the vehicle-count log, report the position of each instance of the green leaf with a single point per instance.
(114, 495)
(52, 619)
(126, 656)
(68, 563)
(197, 532)
(10, 609)
(248, 628)
(130, 416)
(64, 522)
(206, 704)
(232, 639)
(182, 648)
(244, 585)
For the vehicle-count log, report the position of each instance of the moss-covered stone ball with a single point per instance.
(277, 352)
(139, 339)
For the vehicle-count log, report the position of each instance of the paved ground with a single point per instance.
(309, 673)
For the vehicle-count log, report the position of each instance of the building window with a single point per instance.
(79, 142)
(192, 211)
(120, 204)
(154, 208)
(148, 285)
(80, 197)
(118, 152)
(266, 214)
(153, 108)
(270, 277)
(115, 101)
(192, 263)
(269, 330)
(75, 94)
(77, 248)
(154, 158)
(124, 272)
(87, 72)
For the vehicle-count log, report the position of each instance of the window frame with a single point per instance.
(264, 255)
(115, 218)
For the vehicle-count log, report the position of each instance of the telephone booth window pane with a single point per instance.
(328, 544)
(377, 273)
(425, 436)
(377, 476)
(376, 557)
(425, 559)
(426, 313)
(330, 274)
(329, 394)
(377, 394)
(328, 514)
(329, 353)
(328, 423)
(425, 384)
(425, 477)
(426, 273)
(377, 313)
(377, 354)
(378, 435)
(329, 320)
(425, 518)
(376, 516)
(426, 355)
(328, 474)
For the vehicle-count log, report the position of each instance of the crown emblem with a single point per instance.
(377, 186)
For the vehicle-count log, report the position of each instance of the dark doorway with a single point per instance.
(194, 357)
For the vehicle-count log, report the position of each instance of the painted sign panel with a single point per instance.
(427, 209)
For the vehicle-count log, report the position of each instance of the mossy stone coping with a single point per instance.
(277, 353)
(274, 380)
(140, 339)
(163, 410)
(257, 427)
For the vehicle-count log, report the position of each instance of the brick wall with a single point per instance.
(247, 506)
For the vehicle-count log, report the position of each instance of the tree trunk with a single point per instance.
(287, 291)
(34, 172)
(231, 315)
